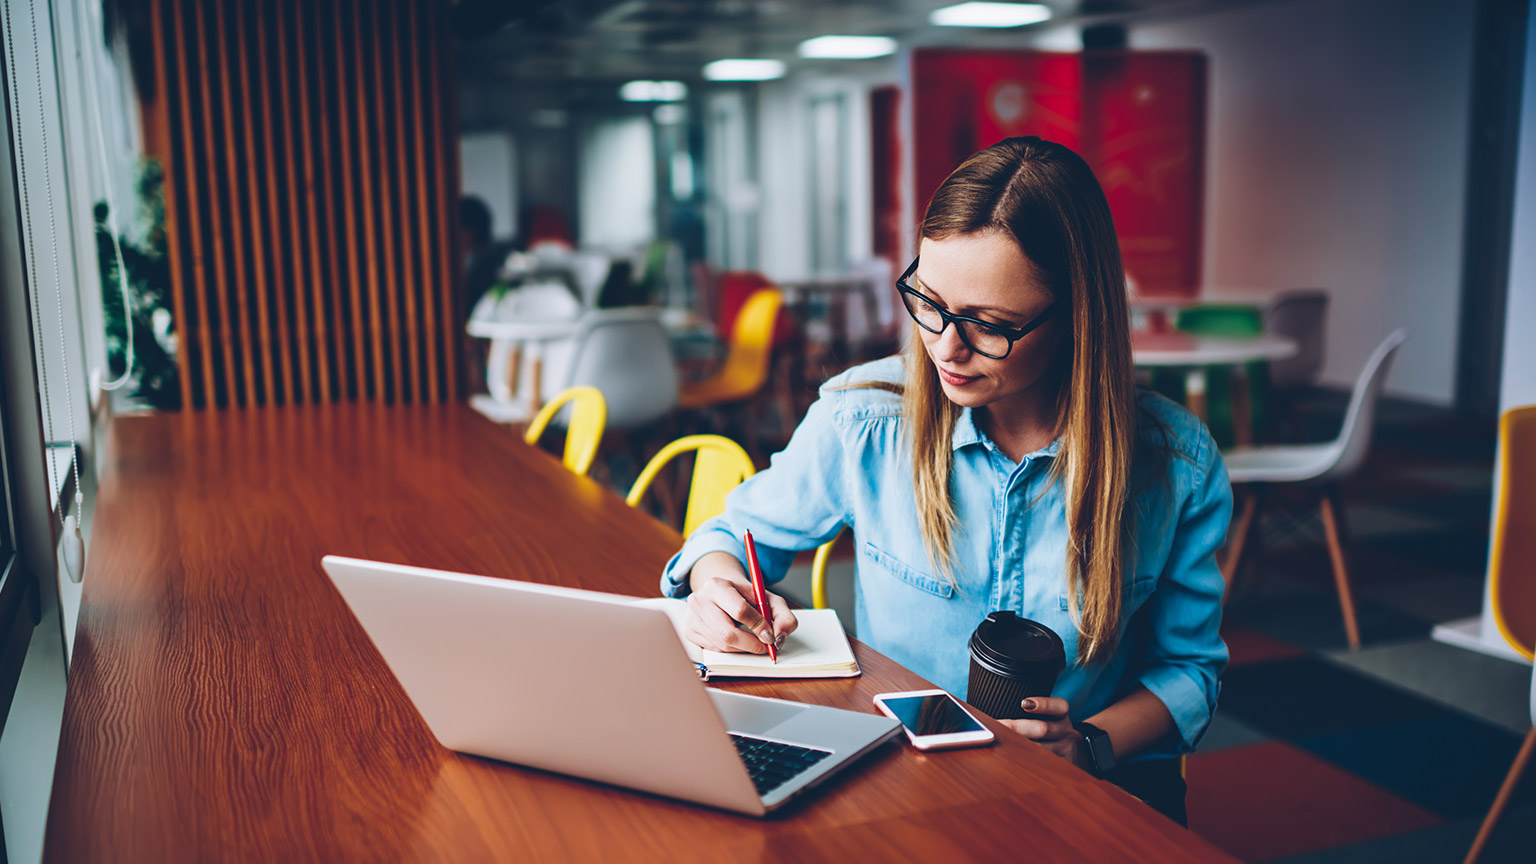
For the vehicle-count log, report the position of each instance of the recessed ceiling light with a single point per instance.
(989, 14)
(653, 91)
(744, 70)
(847, 47)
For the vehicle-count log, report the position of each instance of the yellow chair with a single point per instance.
(745, 370)
(719, 467)
(589, 414)
(819, 572)
(1512, 578)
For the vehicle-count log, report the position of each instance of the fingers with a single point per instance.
(742, 605)
(1048, 721)
(784, 621)
(1042, 730)
(708, 626)
(1046, 706)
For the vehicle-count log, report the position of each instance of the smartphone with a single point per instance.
(933, 719)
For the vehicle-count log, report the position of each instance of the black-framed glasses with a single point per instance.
(986, 339)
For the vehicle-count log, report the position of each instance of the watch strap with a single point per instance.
(1097, 746)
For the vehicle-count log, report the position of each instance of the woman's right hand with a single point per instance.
(722, 599)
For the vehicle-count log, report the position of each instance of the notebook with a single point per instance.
(817, 649)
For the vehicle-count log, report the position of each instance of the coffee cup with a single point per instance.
(1012, 659)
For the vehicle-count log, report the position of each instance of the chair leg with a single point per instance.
(1510, 781)
(1238, 538)
(1328, 504)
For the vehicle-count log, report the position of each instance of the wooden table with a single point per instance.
(224, 705)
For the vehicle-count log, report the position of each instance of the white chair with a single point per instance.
(1320, 466)
(626, 354)
(541, 301)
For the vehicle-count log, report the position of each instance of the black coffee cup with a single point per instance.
(1012, 659)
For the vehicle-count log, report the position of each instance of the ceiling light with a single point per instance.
(847, 47)
(744, 70)
(654, 91)
(989, 15)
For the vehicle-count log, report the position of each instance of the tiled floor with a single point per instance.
(1390, 754)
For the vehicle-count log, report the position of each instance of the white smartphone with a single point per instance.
(933, 719)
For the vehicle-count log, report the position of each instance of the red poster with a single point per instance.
(1137, 117)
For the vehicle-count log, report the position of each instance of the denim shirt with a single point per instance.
(849, 463)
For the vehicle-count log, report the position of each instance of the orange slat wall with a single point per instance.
(310, 185)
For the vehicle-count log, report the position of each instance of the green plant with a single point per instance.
(154, 374)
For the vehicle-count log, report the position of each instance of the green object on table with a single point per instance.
(1230, 320)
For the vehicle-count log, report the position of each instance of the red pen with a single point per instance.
(762, 596)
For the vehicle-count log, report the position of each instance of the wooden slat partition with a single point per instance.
(310, 188)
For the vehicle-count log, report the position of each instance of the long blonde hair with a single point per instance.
(1047, 200)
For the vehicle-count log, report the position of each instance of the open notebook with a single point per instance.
(817, 649)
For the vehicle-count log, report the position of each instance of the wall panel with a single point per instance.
(308, 187)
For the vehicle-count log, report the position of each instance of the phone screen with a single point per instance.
(931, 715)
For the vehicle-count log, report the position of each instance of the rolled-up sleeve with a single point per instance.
(1183, 654)
(798, 502)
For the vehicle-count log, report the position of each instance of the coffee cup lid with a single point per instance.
(1013, 644)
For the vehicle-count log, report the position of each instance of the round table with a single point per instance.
(509, 339)
(1195, 353)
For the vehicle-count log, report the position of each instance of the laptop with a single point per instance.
(587, 684)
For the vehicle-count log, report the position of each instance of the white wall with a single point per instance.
(1518, 386)
(617, 186)
(784, 141)
(487, 170)
(1336, 157)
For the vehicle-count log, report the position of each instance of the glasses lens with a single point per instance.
(923, 312)
(985, 340)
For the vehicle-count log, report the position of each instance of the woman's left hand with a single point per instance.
(1052, 730)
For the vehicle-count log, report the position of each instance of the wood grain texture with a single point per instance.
(223, 704)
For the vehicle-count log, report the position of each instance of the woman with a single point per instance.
(1008, 463)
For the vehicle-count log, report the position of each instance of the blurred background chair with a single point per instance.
(743, 376)
(1301, 316)
(583, 428)
(819, 571)
(1319, 467)
(719, 466)
(627, 355)
(1512, 575)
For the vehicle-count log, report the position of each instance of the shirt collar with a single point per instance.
(967, 432)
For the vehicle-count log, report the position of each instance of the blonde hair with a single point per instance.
(1045, 198)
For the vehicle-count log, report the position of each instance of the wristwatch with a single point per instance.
(1097, 748)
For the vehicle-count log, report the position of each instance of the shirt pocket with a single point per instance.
(910, 575)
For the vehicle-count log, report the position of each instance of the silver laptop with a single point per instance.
(587, 684)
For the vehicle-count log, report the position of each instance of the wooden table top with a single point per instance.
(223, 704)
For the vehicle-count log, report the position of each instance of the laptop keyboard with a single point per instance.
(772, 764)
